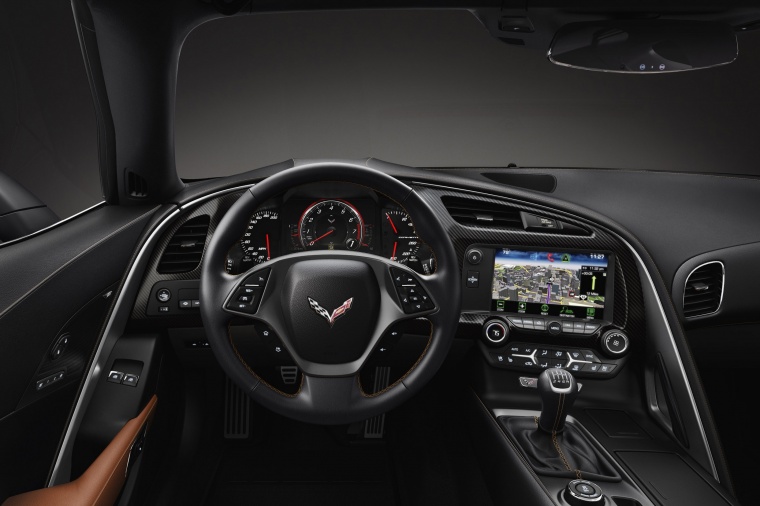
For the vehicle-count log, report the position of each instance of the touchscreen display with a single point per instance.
(550, 283)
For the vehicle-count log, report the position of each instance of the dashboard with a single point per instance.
(330, 216)
(541, 287)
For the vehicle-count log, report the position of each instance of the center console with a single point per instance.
(545, 309)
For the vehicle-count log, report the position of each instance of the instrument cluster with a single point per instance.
(364, 221)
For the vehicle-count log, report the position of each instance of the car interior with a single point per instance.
(476, 252)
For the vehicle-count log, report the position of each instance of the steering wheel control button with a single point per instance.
(495, 332)
(583, 492)
(186, 304)
(474, 256)
(473, 279)
(555, 328)
(615, 343)
(246, 298)
(164, 295)
(412, 296)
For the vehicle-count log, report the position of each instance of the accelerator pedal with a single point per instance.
(374, 427)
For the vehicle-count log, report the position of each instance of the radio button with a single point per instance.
(527, 323)
(579, 327)
(539, 324)
(591, 328)
(567, 328)
(554, 328)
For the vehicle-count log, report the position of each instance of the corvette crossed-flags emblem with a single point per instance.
(337, 312)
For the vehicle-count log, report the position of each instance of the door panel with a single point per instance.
(55, 284)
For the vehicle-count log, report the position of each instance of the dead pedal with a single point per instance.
(374, 427)
(237, 412)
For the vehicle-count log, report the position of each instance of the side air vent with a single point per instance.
(703, 291)
(137, 186)
(185, 249)
(482, 214)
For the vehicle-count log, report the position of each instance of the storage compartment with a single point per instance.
(670, 480)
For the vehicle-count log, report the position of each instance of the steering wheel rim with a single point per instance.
(331, 393)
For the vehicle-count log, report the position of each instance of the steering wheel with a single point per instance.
(330, 308)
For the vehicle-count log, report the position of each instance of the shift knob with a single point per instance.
(558, 390)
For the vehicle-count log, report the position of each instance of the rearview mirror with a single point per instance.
(643, 46)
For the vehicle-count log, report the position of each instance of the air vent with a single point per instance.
(185, 249)
(703, 291)
(483, 214)
(137, 186)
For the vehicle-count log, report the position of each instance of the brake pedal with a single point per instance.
(374, 427)
(237, 412)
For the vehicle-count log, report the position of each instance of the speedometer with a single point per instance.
(331, 224)
(400, 241)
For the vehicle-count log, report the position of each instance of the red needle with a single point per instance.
(322, 236)
(392, 225)
(269, 252)
(395, 243)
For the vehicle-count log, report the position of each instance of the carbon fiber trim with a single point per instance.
(629, 305)
(215, 209)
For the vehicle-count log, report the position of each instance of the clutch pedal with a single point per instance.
(237, 412)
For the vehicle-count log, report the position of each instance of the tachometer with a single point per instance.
(331, 224)
(400, 241)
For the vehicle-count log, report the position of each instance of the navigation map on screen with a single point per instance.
(554, 283)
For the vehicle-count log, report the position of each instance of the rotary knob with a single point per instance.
(495, 332)
(615, 343)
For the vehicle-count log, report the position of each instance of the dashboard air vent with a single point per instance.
(185, 249)
(482, 214)
(703, 291)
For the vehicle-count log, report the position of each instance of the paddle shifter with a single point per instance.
(558, 390)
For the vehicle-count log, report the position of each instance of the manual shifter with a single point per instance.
(558, 390)
(555, 448)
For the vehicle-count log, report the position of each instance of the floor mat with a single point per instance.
(306, 465)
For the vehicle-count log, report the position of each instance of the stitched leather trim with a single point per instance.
(407, 373)
(101, 483)
(515, 450)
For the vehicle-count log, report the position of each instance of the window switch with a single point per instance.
(130, 380)
(115, 377)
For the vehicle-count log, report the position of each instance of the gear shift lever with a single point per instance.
(558, 390)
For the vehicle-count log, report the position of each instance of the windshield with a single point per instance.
(435, 89)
